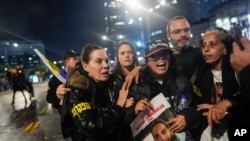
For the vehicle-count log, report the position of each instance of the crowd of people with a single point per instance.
(98, 102)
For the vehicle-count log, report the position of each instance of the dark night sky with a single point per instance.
(60, 24)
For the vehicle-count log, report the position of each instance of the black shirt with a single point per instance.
(187, 61)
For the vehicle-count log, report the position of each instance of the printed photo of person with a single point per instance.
(160, 131)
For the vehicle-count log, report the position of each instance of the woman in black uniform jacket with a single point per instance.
(91, 102)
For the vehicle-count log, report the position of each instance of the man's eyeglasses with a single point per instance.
(178, 31)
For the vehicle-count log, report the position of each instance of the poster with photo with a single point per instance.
(159, 108)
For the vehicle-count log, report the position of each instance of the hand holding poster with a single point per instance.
(158, 109)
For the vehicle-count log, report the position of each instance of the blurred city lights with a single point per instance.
(131, 21)
(15, 44)
(104, 37)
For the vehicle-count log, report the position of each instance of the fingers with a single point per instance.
(246, 43)
(175, 127)
(137, 73)
(137, 79)
(215, 112)
(130, 101)
(123, 93)
(143, 101)
(121, 101)
(141, 106)
(177, 124)
(209, 118)
(126, 83)
(236, 47)
(61, 91)
(214, 116)
(170, 121)
(132, 76)
(204, 107)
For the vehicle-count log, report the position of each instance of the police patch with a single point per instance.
(79, 108)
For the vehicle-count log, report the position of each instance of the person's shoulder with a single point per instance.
(116, 75)
(78, 80)
(54, 79)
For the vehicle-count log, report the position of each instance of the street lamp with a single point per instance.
(104, 37)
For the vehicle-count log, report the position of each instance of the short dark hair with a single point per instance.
(173, 19)
(69, 54)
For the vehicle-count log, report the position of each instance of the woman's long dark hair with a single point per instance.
(117, 69)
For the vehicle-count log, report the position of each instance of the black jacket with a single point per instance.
(51, 92)
(203, 89)
(137, 91)
(92, 108)
(244, 77)
(240, 110)
(188, 60)
(173, 86)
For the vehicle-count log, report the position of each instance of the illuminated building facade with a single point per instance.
(232, 13)
(20, 53)
(139, 21)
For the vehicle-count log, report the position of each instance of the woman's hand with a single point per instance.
(204, 108)
(141, 106)
(130, 101)
(122, 99)
(61, 91)
(177, 124)
(240, 58)
(132, 76)
(218, 111)
(215, 112)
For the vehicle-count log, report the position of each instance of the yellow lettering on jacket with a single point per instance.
(197, 91)
(79, 108)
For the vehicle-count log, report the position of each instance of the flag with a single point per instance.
(52, 67)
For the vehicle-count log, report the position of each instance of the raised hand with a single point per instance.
(240, 58)
(122, 99)
(218, 112)
(177, 124)
(141, 106)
